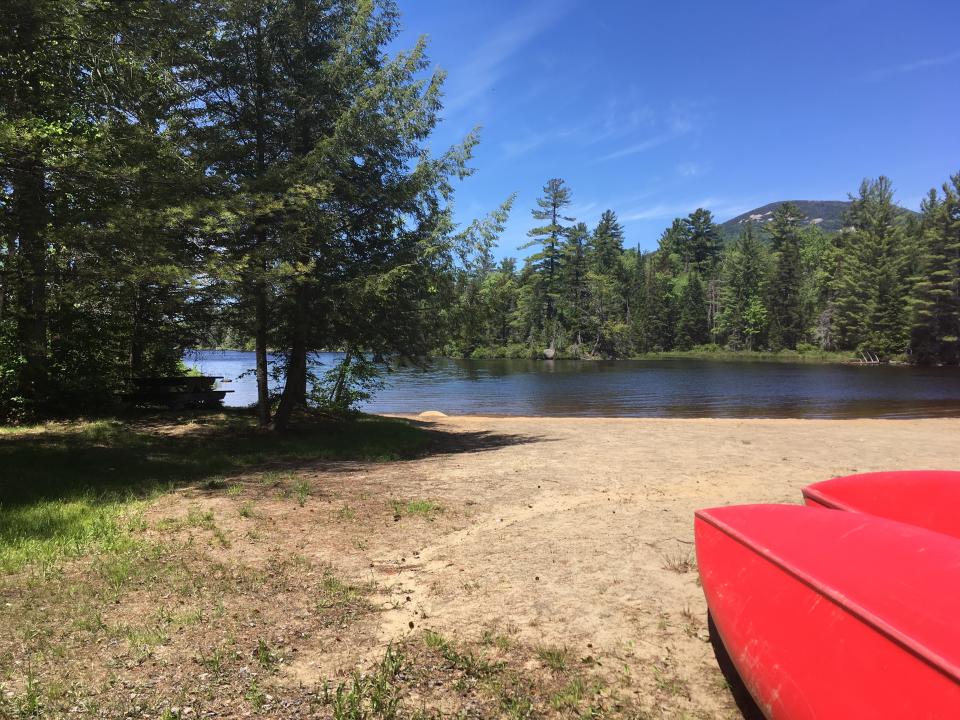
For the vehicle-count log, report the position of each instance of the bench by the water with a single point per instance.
(176, 393)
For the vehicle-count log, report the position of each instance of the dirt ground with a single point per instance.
(551, 544)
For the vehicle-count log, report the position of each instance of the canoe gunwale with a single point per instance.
(859, 612)
(813, 494)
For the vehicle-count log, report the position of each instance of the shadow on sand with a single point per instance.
(741, 696)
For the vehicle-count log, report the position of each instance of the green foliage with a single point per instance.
(785, 304)
(743, 315)
(869, 284)
(691, 313)
(253, 170)
(934, 303)
(885, 285)
(350, 382)
(543, 266)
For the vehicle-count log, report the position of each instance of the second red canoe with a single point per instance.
(926, 498)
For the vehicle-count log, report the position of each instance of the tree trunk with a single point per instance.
(340, 387)
(261, 317)
(31, 218)
(260, 332)
(295, 388)
(136, 335)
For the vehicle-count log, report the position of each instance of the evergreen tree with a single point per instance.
(98, 258)
(545, 262)
(691, 313)
(607, 245)
(700, 243)
(472, 325)
(658, 321)
(337, 215)
(868, 304)
(672, 247)
(573, 277)
(743, 273)
(935, 293)
(786, 319)
(815, 263)
(609, 286)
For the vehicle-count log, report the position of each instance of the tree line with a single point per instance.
(181, 173)
(172, 167)
(886, 286)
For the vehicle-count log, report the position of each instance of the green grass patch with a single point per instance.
(808, 354)
(71, 488)
(555, 658)
(413, 508)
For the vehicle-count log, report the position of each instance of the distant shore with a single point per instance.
(786, 356)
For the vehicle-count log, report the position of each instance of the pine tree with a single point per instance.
(700, 242)
(935, 292)
(573, 310)
(815, 262)
(100, 261)
(691, 313)
(658, 320)
(868, 307)
(609, 286)
(672, 247)
(607, 244)
(786, 319)
(742, 287)
(545, 262)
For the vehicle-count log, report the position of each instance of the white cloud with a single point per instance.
(910, 67)
(516, 148)
(487, 63)
(722, 210)
(690, 169)
(677, 131)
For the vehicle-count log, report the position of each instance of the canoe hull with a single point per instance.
(800, 649)
(926, 498)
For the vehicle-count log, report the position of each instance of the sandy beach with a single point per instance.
(573, 533)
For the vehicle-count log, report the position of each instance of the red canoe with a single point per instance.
(925, 498)
(832, 614)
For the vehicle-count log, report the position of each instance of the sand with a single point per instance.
(572, 533)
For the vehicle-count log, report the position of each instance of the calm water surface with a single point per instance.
(637, 388)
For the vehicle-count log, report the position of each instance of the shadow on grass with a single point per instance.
(114, 460)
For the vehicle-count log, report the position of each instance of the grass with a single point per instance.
(374, 696)
(74, 488)
(679, 560)
(415, 508)
(713, 352)
(555, 658)
(302, 490)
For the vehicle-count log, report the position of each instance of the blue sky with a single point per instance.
(655, 109)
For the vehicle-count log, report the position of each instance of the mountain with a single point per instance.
(827, 214)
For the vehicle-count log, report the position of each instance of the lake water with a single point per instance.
(637, 388)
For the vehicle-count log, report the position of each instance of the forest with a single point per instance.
(885, 287)
(192, 173)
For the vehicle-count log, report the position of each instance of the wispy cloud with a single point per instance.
(910, 67)
(690, 169)
(487, 63)
(721, 208)
(677, 130)
(516, 148)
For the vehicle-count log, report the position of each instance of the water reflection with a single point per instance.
(669, 388)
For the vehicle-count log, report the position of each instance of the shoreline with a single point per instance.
(786, 356)
(424, 416)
